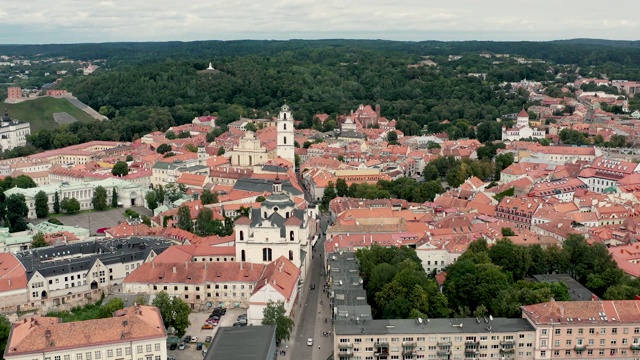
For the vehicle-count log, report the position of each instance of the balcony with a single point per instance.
(580, 347)
(444, 352)
(345, 345)
(470, 350)
(471, 342)
(635, 346)
(345, 353)
(409, 344)
(444, 344)
(507, 342)
(382, 344)
(509, 350)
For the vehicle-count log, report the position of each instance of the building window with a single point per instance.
(157, 346)
(109, 353)
(266, 254)
(290, 255)
(241, 235)
(148, 347)
(242, 253)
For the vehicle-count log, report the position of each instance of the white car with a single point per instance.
(194, 339)
(309, 342)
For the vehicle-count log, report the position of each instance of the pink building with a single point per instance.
(14, 93)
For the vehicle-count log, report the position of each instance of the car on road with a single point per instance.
(182, 346)
(208, 339)
(173, 346)
(312, 287)
(309, 342)
(194, 339)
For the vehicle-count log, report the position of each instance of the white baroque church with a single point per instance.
(276, 228)
(521, 129)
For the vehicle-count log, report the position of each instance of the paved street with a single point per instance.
(95, 219)
(310, 316)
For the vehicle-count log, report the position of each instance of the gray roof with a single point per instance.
(280, 200)
(243, 342)
(432, 326)
(56, 260)
(577, 292)
(164, 165)
(274, 168)
(264, 185)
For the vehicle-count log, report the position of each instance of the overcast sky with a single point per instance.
(74, 21)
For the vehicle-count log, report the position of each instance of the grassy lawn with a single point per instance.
(39, 112)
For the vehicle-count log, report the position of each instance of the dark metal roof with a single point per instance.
(264, 185)
(243, 342)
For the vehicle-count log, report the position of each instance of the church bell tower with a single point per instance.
(286, 136)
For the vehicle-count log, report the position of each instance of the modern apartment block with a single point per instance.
(132, 333)
(585, 329)
(469, 338)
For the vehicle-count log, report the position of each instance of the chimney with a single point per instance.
(241, 265)
(561, 310)
(174, 270)
(251, 266)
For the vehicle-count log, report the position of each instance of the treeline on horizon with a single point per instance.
(582, 52)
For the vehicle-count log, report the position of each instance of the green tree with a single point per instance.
(114, 198)
(164, 148)
(170, 134)
(430, 172)
(203, 219)
(221, 151)
(113, 305)
(507, 231)
(24, 182)
(56, 203)
(55, 221)
(174, 311)
(16, 212)
(260, 198)
(342, 189)
(328, 195)
(152, 202)
(41, 204)
(120, 169)
(274, 314)
(208, 197)
(38, 240)
(5, 328)
(129, 158)
(184, 218)
(512, 258)
(72, 206)
(99, 199)
(160, 194)
(392, 138)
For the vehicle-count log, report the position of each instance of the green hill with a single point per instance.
(39, 112)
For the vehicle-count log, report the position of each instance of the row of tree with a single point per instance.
(488, 280)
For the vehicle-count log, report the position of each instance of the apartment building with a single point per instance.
(133, 333)
(585, 329)
(467, 338)
(518, 210)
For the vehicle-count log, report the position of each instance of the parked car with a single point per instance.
(207, 326)
(208, 339)
(181, 347)
(199, 346)
(241, 316)
(194, 339)
(171, 358)
(309, 342)
(173, 346)
(238, 323)
(215, 317)
(187, 338)
(312, 287)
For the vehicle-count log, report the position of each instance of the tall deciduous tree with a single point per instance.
(342, 189)
(17, 211)
(99, 199)
(174, 311)
(71, 206)
(274, 314)
(24, 182)
(151, 199)
(120, 169)
(184, 218)
(41, 204)
(114, 198)
(208, 197)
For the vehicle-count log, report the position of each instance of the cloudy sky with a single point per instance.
(74, 21)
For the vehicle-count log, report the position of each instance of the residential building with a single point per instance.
(134, 333)
(603, 174)
(585, 329)
(278, 282)
(518, 210)
(561, 189)
(466, 338)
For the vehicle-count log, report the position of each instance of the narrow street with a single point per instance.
(310, 315)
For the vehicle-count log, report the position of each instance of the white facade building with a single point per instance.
(13, 133)
(522, 129)
(286, 136)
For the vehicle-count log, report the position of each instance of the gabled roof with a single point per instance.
(282, 275)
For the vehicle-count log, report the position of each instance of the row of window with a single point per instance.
(110, 353)
(636, 330)
(589, 352)
(225, 287)
(442, 339)
(636, 341)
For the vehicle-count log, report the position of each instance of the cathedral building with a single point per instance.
(276, 228)
(521, 129)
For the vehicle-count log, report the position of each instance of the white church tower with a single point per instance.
(286, 136)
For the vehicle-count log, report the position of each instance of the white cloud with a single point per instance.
(37, 21)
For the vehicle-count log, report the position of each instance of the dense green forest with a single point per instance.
(487, 280)
(145, 87)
